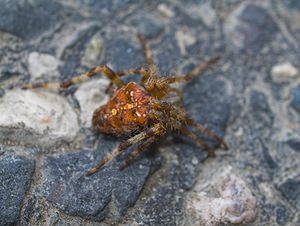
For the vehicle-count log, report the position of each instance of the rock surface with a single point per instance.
(36, 118)
(15, 176)
(251, 97)
(234, 203)
(90, 96)
(42, 65)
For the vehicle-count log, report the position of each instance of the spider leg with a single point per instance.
(155, 130)
(147, 50)
(133, 71)
(78, 79)
(208, 132)
(133, 155)
(193, 136)
(197, 71)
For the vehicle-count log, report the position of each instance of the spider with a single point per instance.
(145, 110)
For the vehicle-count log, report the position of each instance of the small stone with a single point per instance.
(184, 39)
(234, 202)
(36, 118)
(93, 50)
(15, 175)
(165, 10)
(195, 161)
(90, 96)
(283, 72)
(40, 64)
(239, 132)
(295, 104)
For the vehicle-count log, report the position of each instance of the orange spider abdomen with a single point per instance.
(125, 112)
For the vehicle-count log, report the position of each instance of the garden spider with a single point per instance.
(144, 110)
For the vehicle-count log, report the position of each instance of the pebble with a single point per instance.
(40, 65)
(36, 118)
(90, 96)
(233, 203)
(284, 71)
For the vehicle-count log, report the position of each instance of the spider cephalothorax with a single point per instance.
(144, 110)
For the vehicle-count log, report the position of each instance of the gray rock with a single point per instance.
(291, 190)
(150, 27)
(28, 19)
(122, 54)
(36, 118)
(295, 104)
(162, 208)
(104, 5)
(292, 4)
(15, 176)
(294, 144)
(168, 55)
(208, 100)
(67, 187)
(282, 215)
(260, 109)
(251, 27)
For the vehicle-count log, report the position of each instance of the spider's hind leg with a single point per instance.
(194, 137)
(208, 132)
(137, 152)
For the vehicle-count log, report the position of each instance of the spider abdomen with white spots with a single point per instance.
(126, 111)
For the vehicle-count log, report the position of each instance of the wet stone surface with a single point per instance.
(15, 176)
(251, 97)
(68, 188)
(28, 19)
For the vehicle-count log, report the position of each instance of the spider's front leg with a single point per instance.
(80, 78)
(157, 129)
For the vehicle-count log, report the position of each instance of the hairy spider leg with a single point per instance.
(133, 71)
(157, 129)
(147, 50)
(138, 151)
(194, 137)
(78, 79)
(197, 71)
(148, 54)
(208, 132)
